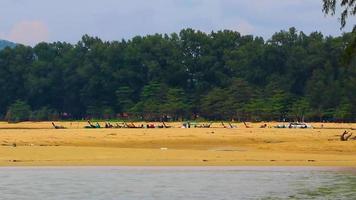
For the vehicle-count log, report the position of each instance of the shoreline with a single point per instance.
(189, 168)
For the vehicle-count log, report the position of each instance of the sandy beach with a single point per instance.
(38, 144)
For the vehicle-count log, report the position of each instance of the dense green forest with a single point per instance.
(218, 76)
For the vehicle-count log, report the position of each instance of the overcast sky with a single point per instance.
(32, 21)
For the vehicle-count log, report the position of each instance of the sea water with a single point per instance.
(171, 183)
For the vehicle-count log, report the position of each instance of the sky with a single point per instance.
(32, 21)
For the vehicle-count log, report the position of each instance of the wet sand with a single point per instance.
(37, 144)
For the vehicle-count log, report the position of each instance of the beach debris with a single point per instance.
(232, 126)
(281, 126)
(195, 125)
(166, 126)
(204, 125)
(108, 125)
(263, 126)
(164, 149)
(126, 125)
(186, 125)
(92, 126)
(117, 125)
(150, 126)
(160, 126)
(57, 127)
(294, 125)
(131, 125)
(229, 125)
(14, 145)
(207, 125)
(247, 126)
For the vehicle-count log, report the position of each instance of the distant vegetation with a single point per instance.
(4, 44)
(218, 76)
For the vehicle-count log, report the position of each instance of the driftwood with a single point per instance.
(230, 125)
(118, 126)
(90, 125)
(125, 125)
(165, 126)
(57, 127)
(207, 125)
(130, 125)
(246, 125)
(108, 125)
(222, 123)
(204, 125)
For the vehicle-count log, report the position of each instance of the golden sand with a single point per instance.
(38, 144)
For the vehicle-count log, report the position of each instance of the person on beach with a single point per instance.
(346, 136)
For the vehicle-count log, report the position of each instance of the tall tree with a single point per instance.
(348, 8)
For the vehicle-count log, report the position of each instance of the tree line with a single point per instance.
(187, 75)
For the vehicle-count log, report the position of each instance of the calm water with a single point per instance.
(177, 183)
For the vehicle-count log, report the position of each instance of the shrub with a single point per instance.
(18, 112)
(44, 114)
